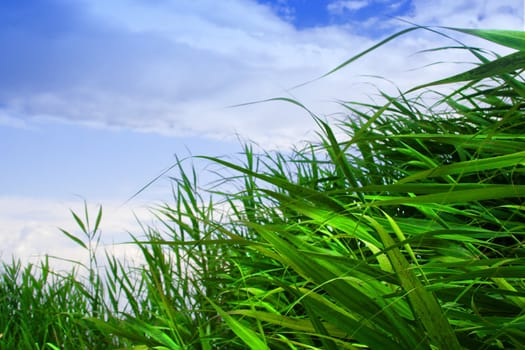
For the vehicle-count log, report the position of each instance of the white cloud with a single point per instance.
(340, 6)
(8, 119)
(30, 230)
(503, 14)
(172, 67)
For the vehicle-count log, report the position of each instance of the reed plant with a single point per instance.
(404, 231)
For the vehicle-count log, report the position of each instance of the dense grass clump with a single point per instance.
(406, 233)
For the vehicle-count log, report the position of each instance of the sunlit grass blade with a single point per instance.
(463, 196)
(471, 166)
(424, 303)
(510, 38)
(507, 64)
(250, 338)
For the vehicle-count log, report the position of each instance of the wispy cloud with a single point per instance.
(505, 14)
(30, 229)
(172, 67)
(346, 5)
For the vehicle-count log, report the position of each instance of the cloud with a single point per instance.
(165, 68)
(172, 67)
(340, 6)
(30, 230)
(505, 14)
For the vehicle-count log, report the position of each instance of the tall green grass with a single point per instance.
(405, 233)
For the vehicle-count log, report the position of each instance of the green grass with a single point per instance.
(405, 233)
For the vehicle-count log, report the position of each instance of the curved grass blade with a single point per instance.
(514, 39)
(496, 192)
(423, 302)
(247, 335)
(471, 166)
(504, 65)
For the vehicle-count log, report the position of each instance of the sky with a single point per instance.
(99, 97)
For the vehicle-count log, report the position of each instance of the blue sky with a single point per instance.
(96, 97)
(304, 14)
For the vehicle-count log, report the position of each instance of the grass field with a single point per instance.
(406, 232)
